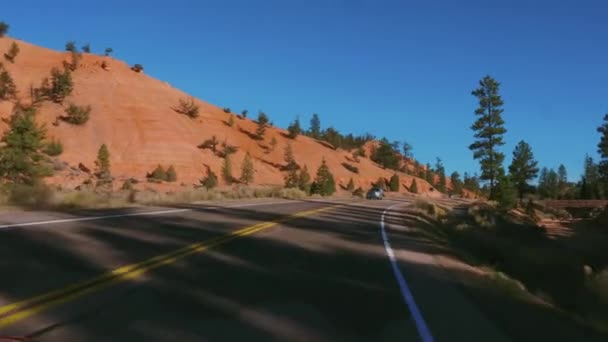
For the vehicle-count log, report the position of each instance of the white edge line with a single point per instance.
(91, 218)
(408, 297)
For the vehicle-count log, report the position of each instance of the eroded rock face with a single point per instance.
(133, 115)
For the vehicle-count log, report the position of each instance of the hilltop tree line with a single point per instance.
(507, 186)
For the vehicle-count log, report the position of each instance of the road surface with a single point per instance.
(282, 270)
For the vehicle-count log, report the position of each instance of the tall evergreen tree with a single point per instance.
(171, 174)
(414, 186)
(428, 173)
(489, 130)
(506, 194)
(304, 180)
(8, 89)
(523, 168)
(102, 165)
(591, 180)
(324, 183)
(247, 170)
(456, 183)
(602, 149)
(394, 183)
(3, 28)
(21, 159)
(315, 127)
(227, 170)
(562, 178)
(294, 129)
(262, 122)
(407, 150)
(548, 183)
(440, 171)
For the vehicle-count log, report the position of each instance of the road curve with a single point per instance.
(288, 270)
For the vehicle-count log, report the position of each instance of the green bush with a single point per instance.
(359, 192)
(8, 89)
(210, 181)
(394, 183)
(36, 196)
(227, 110)
(12, 53)
(53, 148)
(77, 115)
(86, 48)
(3, 28)
(171, 175)
(188, 107)
(137, 68)
(158, 174)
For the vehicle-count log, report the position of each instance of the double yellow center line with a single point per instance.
(15, 312)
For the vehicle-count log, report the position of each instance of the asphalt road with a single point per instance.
(287, 270)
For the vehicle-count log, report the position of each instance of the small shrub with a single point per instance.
(358, 192)
(210, 144)
(3, 28)
(77, 115)
(53, 148)
(188, 107)
(137, 68)
(244, 113)
(227, 170)
(350, 167)
(12, 53)
(37, 196)
(227, 110)
(58, 88)
(70, 46)
(210, 181)
(158, 174)
(171, 175)
(228, 149)
(351, 185)
(86, 48)
(127, 185)
(108, 51)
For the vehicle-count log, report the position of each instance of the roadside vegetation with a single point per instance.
(568, 272)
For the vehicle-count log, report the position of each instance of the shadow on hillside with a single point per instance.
(323, 277)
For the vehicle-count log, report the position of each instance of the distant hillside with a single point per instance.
(133, 114)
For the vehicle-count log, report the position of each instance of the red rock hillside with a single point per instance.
(133, 114)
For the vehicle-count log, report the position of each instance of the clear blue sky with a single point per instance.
(400, 69)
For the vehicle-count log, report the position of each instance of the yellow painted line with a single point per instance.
(23, 309)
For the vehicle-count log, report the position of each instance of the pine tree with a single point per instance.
(247, 170)
(385, 155)
(562, 178)
(602, 149)
(227, 170)
(315, 127)
(304, 180)
(210, 181)
(244, 113)
(428, 174)
(70, 46)
(489, 130)
(414, 186)
(171, 174)
(591, 180)
(294, 129)
(261, 130)
(506, 194)
(21, 159)
(407, 150)
(394, 183)
(351, 185)
(292, 178)
(8, 89)
(440, 171)
(108, 51)
(102, 165)
(456, 183)
(86, 48)
(324, 183)
(523, 168)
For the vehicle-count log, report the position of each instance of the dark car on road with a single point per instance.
(375, 193)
